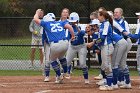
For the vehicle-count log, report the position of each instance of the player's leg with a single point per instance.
(33, 49)
(55, 50)
(106, 54)
(120, 48)
(46, 62)
(41, 56)
(33, 56)
(41, 51)
(124, 67)
(71, 52)
(138, 59)
(101, 75)
(82, 53)
(62, 58)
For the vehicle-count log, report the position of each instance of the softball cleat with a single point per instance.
(98, 77)
(46, 79)
(59, 79)
(106, 88)
(126, 86)
(86, 81)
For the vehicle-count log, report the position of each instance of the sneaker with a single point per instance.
(98, 77)
(126, 86)
(46, 79)
(67, 76)
(59, 79)
(115, 86)
(105, 88)
(120, 83)
(86, 81)
(102, 82)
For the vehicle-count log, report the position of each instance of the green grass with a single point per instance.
(52, 73)
(16, 52)
(23, 40)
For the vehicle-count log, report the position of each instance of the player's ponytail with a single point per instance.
(107, 17)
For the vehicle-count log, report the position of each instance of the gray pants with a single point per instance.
(119, 54)
(129, 44)
(106, 54)
(58, 50)
(138, 58)
(82, 53)
(46, 54)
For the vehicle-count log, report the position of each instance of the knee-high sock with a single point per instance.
(126, 76)
(47, 70)
(109, 78)
(120, 75)
(69, 69)
(64, 64)
(85, 72)
(115, 76)
(56, 67)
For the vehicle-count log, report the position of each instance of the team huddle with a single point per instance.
(63, 39)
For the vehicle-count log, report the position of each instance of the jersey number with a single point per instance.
(56, 27)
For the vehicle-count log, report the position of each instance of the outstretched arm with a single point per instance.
(36, 16)
(69, 27)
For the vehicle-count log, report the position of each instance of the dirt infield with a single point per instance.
(35, 84)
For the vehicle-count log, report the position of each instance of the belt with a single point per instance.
(58, 41)
(77, 44)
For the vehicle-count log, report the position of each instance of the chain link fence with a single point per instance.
(16, 15)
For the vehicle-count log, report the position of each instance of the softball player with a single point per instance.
(124, 74)
(136, 36)
(36, 39)
(64, 16)
(107, 48)
(94, 15)
(77, 46)
(56, 37)
(92, 29)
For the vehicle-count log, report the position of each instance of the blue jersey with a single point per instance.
(115, 37)
(54, 30)
(105, 33)
(67, 33)
(94, 37)
(124, 24)
(79, 36)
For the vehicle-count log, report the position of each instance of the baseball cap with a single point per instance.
(138, 13)
(95, 22)
(74, 17)
(49, 17)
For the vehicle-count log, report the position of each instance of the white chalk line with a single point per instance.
(44, 91)
(35, 82)
(2, 85)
